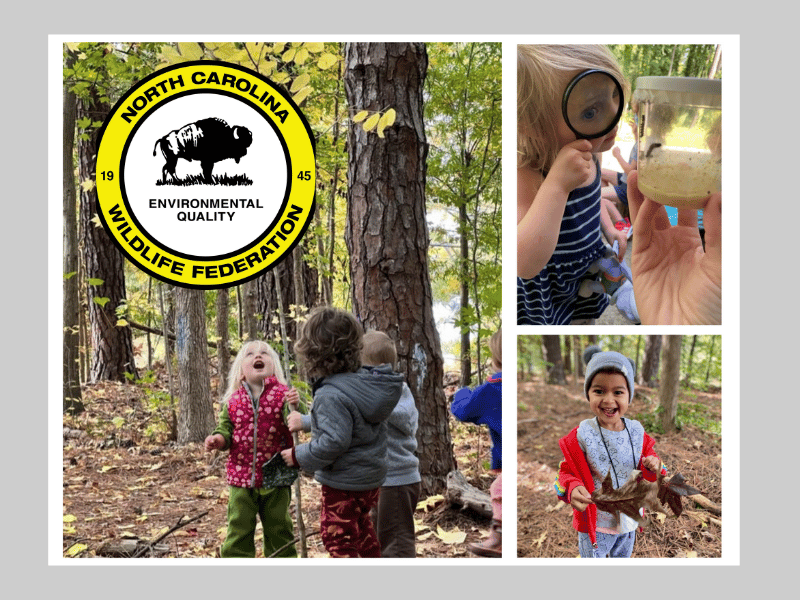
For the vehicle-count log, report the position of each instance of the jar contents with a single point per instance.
(680, 178)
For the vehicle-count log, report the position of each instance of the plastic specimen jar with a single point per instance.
(680, 139)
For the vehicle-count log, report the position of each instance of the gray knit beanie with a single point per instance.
(609, 360)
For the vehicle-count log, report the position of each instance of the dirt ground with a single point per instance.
(126, 487)
(546, 413)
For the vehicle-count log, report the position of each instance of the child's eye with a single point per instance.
(589, 114)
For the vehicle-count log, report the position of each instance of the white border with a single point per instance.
(729, 330)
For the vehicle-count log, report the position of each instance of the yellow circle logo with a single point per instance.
(206, 174)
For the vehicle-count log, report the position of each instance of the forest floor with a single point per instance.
(126, 486)
(546, 413)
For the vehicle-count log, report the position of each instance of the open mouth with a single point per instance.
(258, 364)
(610, 412)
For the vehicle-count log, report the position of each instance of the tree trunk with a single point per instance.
(112, 345)
(387, 234)
(466, 363)
(551, 348)
(687, 377)
(670, 380)
(223, 340)
(72, 398)
(648, 376)
(195, 412)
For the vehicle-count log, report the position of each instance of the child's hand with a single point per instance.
(293, 398)
(572, 166)
(294, 421)
(287, 457)
(214, 442)
(580, 498)
(651, 463)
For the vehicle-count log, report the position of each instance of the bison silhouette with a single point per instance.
(207, 140)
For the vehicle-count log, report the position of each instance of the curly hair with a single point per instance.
(330, 342)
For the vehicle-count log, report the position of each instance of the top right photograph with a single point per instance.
(619, 199)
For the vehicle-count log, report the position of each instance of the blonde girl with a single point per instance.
(558, 183)
(252, 428)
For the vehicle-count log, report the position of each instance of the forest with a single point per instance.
(145, 363)
(677, 399)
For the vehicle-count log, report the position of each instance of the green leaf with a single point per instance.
(93, 281)
(101, 301)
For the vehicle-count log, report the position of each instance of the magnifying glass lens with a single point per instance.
(592, 104)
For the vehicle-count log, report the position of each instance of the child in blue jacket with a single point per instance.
(483, 406)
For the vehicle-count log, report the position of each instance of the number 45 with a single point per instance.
(304, 175)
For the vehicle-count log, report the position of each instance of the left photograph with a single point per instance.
(281, 302)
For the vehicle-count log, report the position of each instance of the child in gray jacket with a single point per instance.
(347, 451)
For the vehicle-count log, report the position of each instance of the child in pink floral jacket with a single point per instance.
(252, 428)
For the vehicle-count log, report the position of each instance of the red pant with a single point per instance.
(347, 530)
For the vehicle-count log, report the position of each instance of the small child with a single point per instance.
(483, 406)
(251, 426)
(347, 451)
(606, 443)
(394, 517)
(558, 185)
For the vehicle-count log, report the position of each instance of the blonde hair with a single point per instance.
(378, 349)
(543, 72)
(496, 348)
(236, 374)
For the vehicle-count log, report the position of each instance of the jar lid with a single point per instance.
(679, 90)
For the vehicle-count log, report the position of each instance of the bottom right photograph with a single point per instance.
(619, 446)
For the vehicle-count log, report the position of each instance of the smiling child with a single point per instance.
(606, 443)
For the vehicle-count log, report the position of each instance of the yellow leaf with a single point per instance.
(73, 46)
(280, 77)
(190, 50)
(430, 502)
(370, 123)
(327, 60)
(288, 56)
(107, 468)
(425, 536)
(450, 537)
(76, 549)
(300, 82)
(170, 55)
(122, 323)
(301, 56)
(541, 539)
(389, 116)
(70, 518)
(87, 185)
(69, 530)
(314, 46)
(226, 51)
(360, 116)
(302, 94)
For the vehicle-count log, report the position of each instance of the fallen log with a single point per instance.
(704, 502)
(461, 493)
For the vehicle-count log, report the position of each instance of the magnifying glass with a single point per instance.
(592, 104)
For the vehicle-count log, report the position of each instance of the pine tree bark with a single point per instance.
(72, 397)
(195, 410)
(648, 376)
(387, 234)
(223, 340)
(112, 345)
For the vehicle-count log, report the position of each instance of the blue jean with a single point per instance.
(609, 545)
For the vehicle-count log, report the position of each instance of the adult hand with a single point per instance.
(675, 281)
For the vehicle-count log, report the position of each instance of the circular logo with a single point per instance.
(206, 174)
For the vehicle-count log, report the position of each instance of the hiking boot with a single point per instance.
(493, 546)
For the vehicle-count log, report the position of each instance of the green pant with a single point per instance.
(272, 505)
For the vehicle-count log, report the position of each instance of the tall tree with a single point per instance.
(464, 97)
(112, 344)
(551, 349)
(387, 233)
(72, 397)
(670, 380)
(648, 375)
(195, 411)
